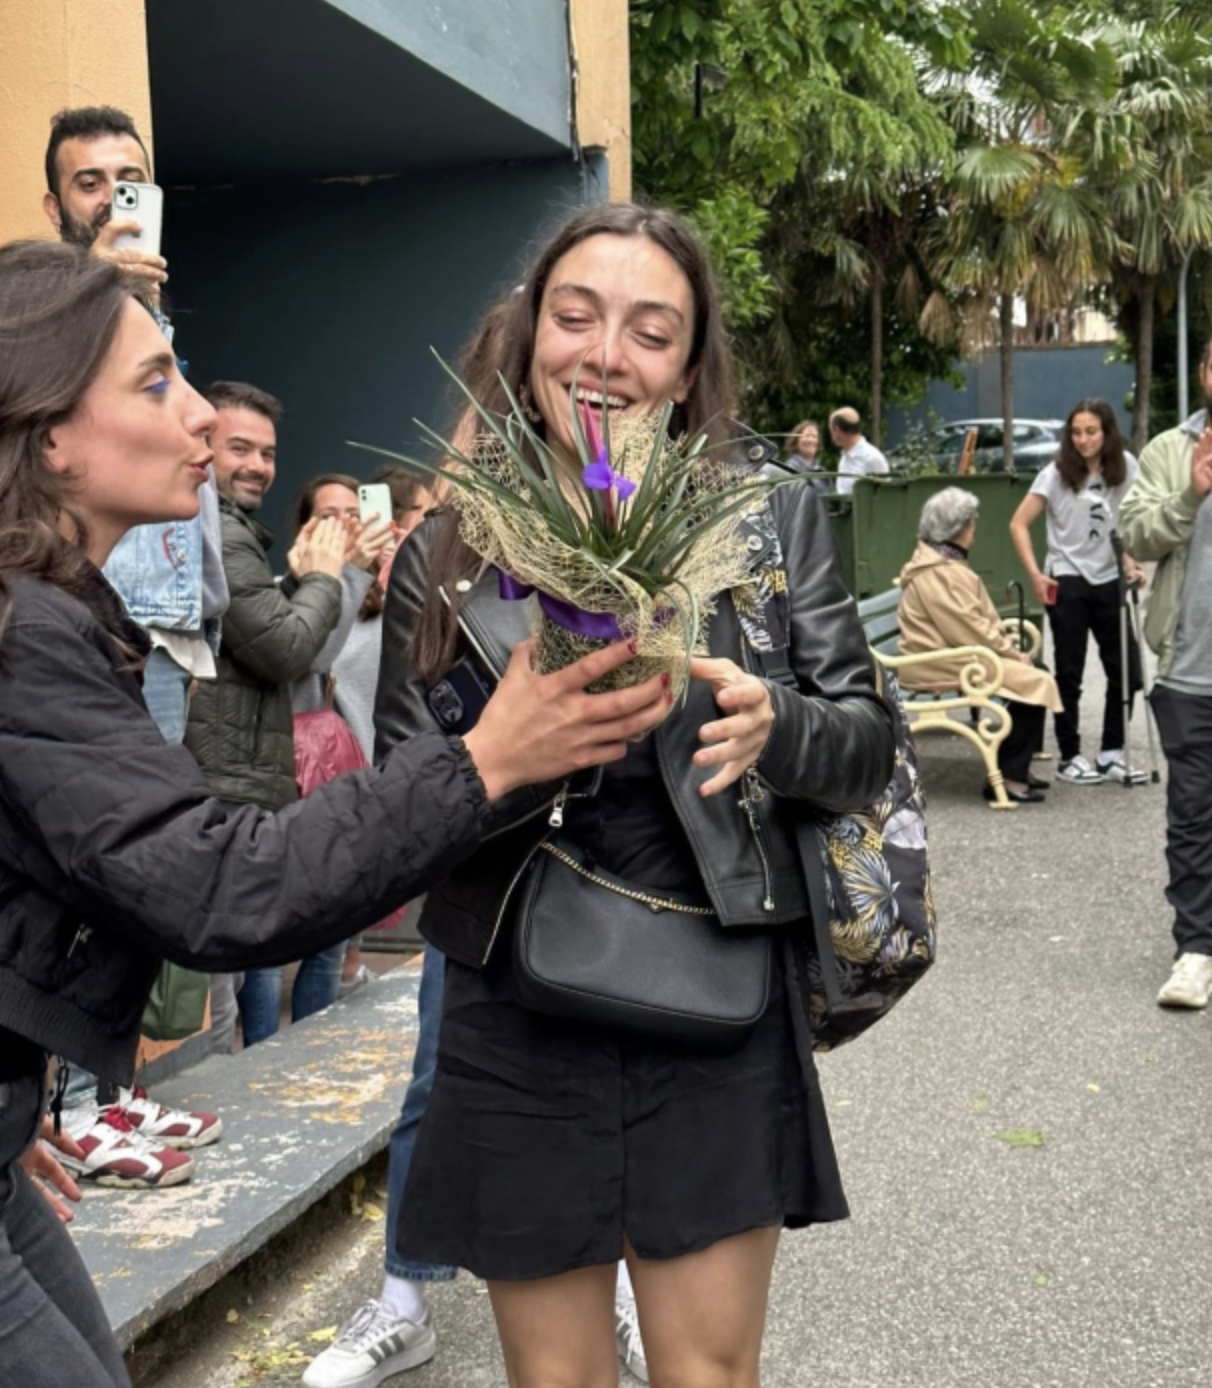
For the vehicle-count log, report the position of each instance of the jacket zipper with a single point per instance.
(555, 818)
(81, 938)
(751, 797)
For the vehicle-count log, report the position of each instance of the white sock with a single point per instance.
(624, 1288)
(1106, 757)
(401, 1297)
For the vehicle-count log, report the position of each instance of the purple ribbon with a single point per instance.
(599, 626)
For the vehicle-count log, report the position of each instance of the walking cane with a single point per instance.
(1117, 546)
(1014, 586)
(1154, 773)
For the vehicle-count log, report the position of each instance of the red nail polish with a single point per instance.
(665, 680)
(632, 647)
(669, 696)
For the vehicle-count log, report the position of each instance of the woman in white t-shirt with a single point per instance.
(1081, 494)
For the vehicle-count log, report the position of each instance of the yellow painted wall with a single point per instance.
(57, 53)
(603, 53)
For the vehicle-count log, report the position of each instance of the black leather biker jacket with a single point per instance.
(831, 748)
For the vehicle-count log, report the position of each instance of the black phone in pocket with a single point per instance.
(458, 698)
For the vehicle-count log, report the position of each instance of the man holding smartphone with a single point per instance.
(171, 579)
(91, 149)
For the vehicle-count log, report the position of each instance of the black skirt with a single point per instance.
(545, 1142)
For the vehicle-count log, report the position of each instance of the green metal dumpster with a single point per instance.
(875, 531)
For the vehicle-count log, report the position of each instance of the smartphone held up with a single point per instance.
(142, 204)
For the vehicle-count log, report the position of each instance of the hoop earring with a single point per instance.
(527, 404)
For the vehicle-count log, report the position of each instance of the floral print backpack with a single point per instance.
(867, 873)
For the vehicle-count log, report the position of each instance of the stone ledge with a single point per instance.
(300, 1112)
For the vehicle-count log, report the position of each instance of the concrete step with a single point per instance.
(301, 1112)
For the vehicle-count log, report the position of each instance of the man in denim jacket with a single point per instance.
(171, 579)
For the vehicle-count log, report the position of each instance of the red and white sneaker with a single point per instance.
(116, 1155)
(168, 1127)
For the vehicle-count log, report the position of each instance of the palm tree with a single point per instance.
(873, 244)
(1022, 221)
(1149, 150)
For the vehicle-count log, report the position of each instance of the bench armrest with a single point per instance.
(1035, 642)
(981, 675)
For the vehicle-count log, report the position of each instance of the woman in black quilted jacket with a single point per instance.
(112, 856)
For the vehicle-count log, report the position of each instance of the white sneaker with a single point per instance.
(1190, 983)
(168, 1127)
(1115, 770)
(372, 1345)
(1078, 772)
(115, 1154)
(627, 1331)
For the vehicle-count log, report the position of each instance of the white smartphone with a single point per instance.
(374, 498)
(142, 203)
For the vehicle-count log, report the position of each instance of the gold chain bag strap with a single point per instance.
(592, 948)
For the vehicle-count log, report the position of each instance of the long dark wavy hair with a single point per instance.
(503, 346)
(59, 314)
(1070, 463)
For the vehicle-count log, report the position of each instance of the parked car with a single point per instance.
(1036, 442)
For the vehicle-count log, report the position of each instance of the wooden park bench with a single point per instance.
(987, 720)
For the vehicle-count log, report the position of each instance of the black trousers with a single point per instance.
(1083, 610)
(1185, 724)
(1022, 741)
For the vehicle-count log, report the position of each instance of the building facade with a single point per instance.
(349, 183)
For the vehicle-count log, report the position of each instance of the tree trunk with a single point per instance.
(1007, 334)
(1146, 298)
(876, 430)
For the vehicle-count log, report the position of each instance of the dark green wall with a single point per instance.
(330, 295)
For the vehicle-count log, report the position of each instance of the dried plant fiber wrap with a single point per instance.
(666, 625)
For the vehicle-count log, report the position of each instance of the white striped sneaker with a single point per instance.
(372, 1346)
(627, 1332)
(1078, 772)
(1113, 769)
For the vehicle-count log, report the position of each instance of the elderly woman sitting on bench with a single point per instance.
(945, 603)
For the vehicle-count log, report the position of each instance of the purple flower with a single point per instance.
(598, 475)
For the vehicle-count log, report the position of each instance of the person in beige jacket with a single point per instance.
(945, 603)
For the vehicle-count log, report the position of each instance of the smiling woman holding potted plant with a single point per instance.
(592, 1097)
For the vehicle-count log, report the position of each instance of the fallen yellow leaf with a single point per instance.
(325, 1336)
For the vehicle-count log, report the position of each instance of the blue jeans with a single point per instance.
(416, 1100)
(316, 985)
(166, 694)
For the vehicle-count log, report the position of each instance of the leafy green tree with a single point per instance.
(1148, 153)
(1023, 221)
(752, 116)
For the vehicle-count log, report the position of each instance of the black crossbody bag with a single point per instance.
(590, 947)
(593, 948)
